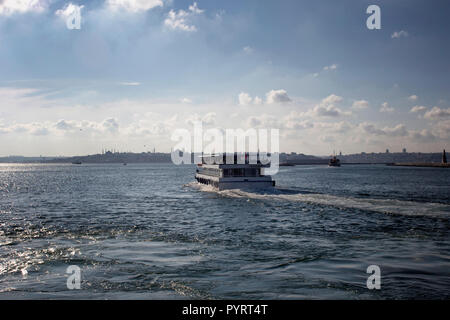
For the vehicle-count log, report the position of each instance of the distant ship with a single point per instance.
(76, 162)
(216, 171)
(334, 162)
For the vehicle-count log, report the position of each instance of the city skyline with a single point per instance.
(154, 151)
(137, 70)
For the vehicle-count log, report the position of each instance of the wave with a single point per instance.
(389, 206)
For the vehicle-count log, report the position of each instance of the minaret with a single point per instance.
(444, 157)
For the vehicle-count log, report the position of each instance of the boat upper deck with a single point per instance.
(235, 161)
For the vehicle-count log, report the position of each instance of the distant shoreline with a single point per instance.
(421, 164)
(285, 159)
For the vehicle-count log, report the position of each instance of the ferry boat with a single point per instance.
(236, 171)
(334, 162)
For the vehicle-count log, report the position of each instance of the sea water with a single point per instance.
(148, 231)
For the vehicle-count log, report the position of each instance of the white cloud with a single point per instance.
(248, 50)
(19, 98)
(194, 8)
(208, 119)
(68, 10)
(44, 127)
(244, 99)
(296, 121)
(64, 125)
(178, 20)
(293, 121)
(424, 135)
(257, 101)
(335, 127)
(413, 97)
(360, 104)
(399, 34)
(264, 121)
(8, 7)
(386, 108)
(111, 125)
(254, 121)
(130, 83)
(151, 125)
(186, 100)
(327, 111)
(134, 5)
(34, 128)
(443, 129)
(418, 109)
(277, 96)
(397, 131)
(370, 128)
(273, 96)
(327, 108)
(15, 93)
(437, 113)
(331, 99)
(331, 67)
(327, 139)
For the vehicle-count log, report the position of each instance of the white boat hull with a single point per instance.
(236, 183)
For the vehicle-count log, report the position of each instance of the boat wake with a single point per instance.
(389, 206)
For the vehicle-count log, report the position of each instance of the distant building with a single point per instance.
(444, 157)
(404, 150)
(387, 150)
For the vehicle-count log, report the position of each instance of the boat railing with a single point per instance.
(236, 158)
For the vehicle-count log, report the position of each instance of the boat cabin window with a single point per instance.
(248, 172)
(238, 172)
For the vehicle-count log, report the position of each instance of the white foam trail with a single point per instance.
(391, 206)
(201, 187)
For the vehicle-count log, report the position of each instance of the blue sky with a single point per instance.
(139, 69)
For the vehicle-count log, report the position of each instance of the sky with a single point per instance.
(137, 70)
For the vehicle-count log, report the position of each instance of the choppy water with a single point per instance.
(148, 231)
